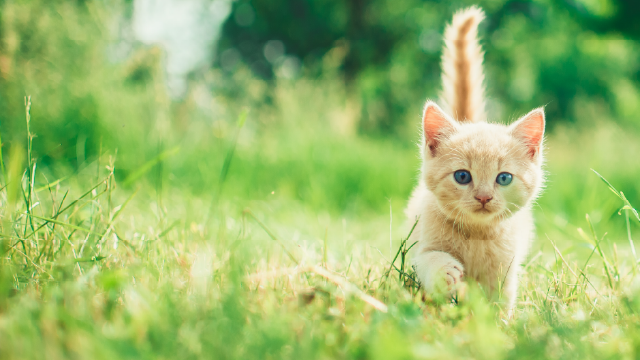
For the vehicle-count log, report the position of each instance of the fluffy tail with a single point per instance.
(462, 74)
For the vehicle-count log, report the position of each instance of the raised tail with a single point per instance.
(462, 73)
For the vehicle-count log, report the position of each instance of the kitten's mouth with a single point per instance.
(483, 211)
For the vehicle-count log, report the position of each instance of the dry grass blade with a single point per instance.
(337, 280)
(347, 286)
(266, 275)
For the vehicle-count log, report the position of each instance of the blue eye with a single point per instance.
(504, 178)
(462, 177)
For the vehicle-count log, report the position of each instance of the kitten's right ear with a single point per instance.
(436, 125)
(530, 130)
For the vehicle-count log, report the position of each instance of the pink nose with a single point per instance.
(484, 199)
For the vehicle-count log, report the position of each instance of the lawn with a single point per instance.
(266, 255)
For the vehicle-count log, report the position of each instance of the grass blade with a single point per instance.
(227, 160)
(272, 236)
(149, 165)
(613, 190)
(53, 221)
(604, 258)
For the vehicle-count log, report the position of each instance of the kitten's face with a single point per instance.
(483, 172)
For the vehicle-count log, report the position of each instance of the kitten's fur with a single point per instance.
(458, 234)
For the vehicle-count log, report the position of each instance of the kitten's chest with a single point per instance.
(487, 261)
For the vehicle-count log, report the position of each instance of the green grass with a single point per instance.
(136, 227)
(272, 250)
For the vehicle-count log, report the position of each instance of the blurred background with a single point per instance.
(331, 90)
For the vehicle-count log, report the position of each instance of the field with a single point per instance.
(235, 230)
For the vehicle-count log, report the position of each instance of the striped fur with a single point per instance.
(462, 74)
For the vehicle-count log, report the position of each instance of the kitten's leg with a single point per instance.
(438, 271)
(510, 291)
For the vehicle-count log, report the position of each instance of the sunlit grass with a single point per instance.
(262, 220)
(273, 260)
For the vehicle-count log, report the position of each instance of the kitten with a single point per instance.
(478, 181)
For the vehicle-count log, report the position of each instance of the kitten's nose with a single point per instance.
(484, 199)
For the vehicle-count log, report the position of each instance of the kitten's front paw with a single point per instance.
(439, 272)
(453, 273)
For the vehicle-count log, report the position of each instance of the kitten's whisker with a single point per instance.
(446, 216)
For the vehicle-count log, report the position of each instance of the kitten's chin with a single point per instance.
(483, 215)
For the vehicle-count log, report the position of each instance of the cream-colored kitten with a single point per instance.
(478, 180)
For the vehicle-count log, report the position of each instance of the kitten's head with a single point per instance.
(482, 172)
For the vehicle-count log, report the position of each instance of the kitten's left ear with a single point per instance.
(530, 130)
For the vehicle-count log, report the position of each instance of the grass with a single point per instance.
(100, 266)
(136, 227)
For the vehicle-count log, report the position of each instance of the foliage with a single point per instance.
(557, 54)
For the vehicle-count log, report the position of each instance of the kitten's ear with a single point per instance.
(530, 130)
(436, 125)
